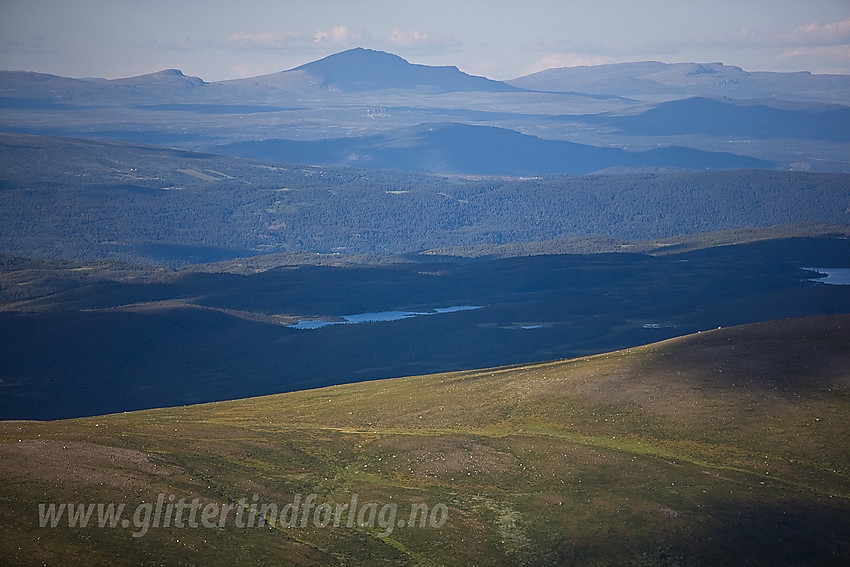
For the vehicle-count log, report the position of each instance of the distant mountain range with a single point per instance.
(355, 70)
(16, 86)
(653, 80)
(360, 70)
(374, 109)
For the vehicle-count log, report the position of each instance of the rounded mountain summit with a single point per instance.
(362, 69)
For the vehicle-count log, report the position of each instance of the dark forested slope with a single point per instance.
(113, 341)
(78, 198)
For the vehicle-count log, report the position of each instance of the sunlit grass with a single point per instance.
(640, 457)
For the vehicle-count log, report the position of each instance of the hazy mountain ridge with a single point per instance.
(363, 93)
(167, 83)
(354, 70)
(483, 150)
(675, 80)
(365, 69)
(699, 115)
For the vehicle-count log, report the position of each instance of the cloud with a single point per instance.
(180, 46)
(570, 46)
(820, 48)
(835, 33)
(412, 41)
(39, 44)
(421, 41)
(820, 58)
(567, 60)
(266, 40)
(812, 34)
(339, 35)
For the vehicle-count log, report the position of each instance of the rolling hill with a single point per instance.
(451, 148)
(726, 447)
(711, 117)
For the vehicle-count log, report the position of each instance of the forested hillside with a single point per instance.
(86, 199)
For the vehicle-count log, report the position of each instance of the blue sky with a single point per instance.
(499, 39)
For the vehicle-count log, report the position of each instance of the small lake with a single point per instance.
(834, 276)
(382, 316)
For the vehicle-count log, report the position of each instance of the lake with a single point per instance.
(834, 276)
(382, 316)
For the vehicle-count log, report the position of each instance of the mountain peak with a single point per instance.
(359, 55)
(169, 73)
(172, 77)
(362, 69)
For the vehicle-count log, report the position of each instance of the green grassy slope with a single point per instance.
(726, 447)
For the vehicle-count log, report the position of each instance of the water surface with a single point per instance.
(834, 276)
(382, 316)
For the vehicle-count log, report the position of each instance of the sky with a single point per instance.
(499, 39)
